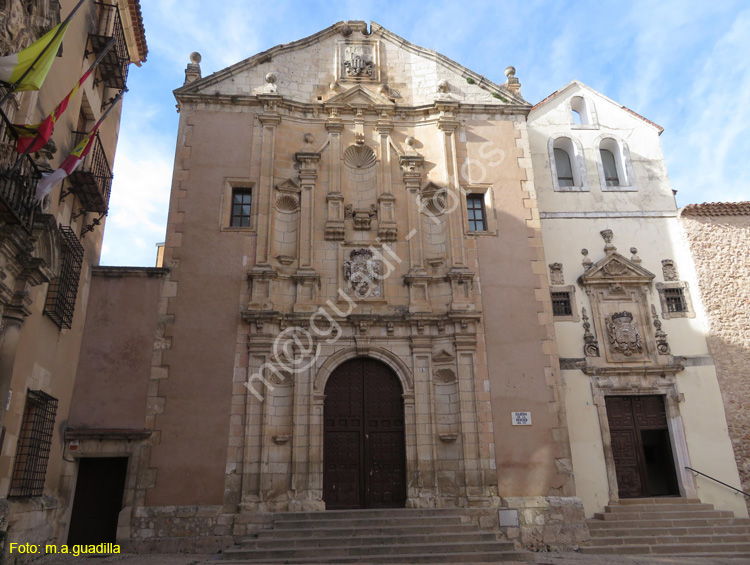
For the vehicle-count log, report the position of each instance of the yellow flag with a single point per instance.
(40, 54)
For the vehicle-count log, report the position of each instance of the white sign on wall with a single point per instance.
(521, 418)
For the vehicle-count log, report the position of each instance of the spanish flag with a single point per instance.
(28, 68)
(33, 137)
(48, 182)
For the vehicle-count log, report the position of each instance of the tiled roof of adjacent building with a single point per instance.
(140, 31)
(717, 209)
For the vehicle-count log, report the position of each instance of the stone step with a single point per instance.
(369, 522)
(368, 540)
(341, 532)
(657, 508)
(323, 554)
(679, 539)
(739, 549)
(666, 523)
(368, 513)
(473, 557)
(637, 516)
(685, 531)
(659, 500)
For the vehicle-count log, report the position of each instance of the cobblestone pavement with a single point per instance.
(539, 558)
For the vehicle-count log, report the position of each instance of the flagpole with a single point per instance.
(106, 49)
(62, 25)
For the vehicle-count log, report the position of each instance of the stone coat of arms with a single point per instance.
(362, 273)
(623, 334)
(358, 61)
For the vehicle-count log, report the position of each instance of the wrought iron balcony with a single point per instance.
(18, 179)
(113, 68)
(91, 182)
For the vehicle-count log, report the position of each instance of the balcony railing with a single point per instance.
(113, 68)
(18, 179)
(91, 182)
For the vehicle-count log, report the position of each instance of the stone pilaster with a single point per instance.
(387, 228)
(334, 229)
(306, 278)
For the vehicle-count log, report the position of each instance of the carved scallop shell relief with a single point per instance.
(359, 157)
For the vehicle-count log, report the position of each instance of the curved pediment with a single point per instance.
(350, 66)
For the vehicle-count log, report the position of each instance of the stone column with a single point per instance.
(306, 277)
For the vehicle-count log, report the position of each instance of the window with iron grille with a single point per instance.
(241, 202)
(34, 441)
(675, 298)
(561, 304)
(476, 212)
(61, 296)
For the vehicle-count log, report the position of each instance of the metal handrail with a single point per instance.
(718, 481)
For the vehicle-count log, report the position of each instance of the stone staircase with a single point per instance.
(668, 526)
(374, 536)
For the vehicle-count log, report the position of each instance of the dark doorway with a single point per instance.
(640, 445)
(98, 500)
(364, 454)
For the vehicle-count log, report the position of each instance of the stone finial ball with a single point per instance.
(308, 138)
(510, 71)
(410, 141)
(633, 250)
(270, 78)
(195, 57)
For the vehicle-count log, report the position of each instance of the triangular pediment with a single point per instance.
(358, 97)
(443, 356)
(288, 185)
(616, 268)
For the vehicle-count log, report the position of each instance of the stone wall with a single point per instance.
(719, 239)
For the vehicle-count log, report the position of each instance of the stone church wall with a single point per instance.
(720, 243)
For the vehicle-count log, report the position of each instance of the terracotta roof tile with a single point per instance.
(140, 31)
(717, 209)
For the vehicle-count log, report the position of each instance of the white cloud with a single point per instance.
(682, 65)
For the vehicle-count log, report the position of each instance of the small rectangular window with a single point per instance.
(241, 202)
(476, 212)
(62, 292)
(34, 441)
(561, 304)
(675, 298)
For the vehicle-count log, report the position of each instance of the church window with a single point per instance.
(476, 212)
(34, 442)
(564, 169)
(610, 168)
(63, 290)
(241, 203)
(562, 304)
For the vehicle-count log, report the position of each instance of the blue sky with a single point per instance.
(682, 64)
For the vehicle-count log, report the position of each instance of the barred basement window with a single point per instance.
(561, 304)
(241, 201)
(34, 441)
(61, 296)
(675, 298)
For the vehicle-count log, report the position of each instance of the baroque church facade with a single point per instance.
(388, 282)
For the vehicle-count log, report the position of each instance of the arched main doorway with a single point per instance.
(364, 455)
